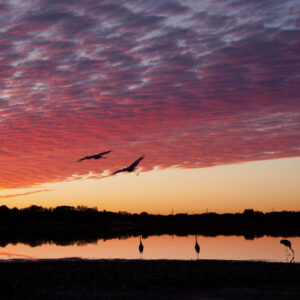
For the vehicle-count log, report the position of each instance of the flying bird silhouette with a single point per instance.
(96, 156)
(130, 168)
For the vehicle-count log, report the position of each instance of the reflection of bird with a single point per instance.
(141, 247)
(288, 244)
(130, 168)
(96, 156)
(197, 247)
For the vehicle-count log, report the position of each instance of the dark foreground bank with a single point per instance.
(152, 279)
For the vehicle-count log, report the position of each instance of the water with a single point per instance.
(163, 247)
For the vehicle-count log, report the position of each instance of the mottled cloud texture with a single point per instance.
(186, 83)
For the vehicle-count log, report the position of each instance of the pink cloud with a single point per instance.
(184, 84)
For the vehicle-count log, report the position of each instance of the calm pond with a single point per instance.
(163, 247)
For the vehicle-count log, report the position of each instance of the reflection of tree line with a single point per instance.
(67, 225)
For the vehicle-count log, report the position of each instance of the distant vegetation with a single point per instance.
(67, 224)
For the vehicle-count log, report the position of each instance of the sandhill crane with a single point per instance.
(288, 244)
(96, 156)
(130, 168)
(197, 247)
(141, 248)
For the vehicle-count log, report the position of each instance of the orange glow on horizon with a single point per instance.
(262, 185)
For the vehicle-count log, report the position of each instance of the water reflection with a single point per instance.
(163, 247)
(15, 255)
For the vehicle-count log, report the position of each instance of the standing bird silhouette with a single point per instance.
(130, 168)
(197, 247)
(141, 248)
(96, 156)
(288, 244)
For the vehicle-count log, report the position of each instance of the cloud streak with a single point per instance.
(22, 194)
(188, 84)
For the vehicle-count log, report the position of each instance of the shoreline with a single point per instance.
(75, 278)
(75, 259)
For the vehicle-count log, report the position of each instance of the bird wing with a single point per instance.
(86, 157)
(103, 153)
(94, 156)
(134, 164)
(130, 168)
(118, 171)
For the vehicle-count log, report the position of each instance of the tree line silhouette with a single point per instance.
(64, 225)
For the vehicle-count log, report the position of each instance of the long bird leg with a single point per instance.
(292, 260)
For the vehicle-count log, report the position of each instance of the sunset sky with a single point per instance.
(207, 90)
